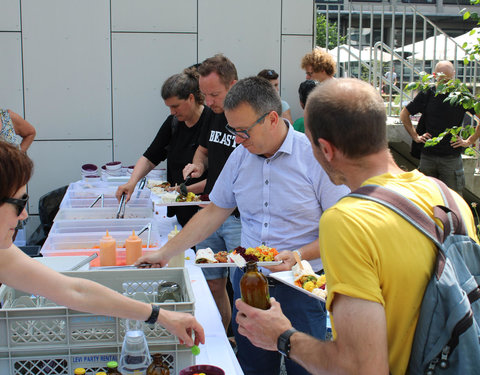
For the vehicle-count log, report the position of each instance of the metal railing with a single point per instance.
(374, 39)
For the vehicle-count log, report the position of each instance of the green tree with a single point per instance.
(334, 39)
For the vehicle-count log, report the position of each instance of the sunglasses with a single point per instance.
(18, 203)
(244, 133)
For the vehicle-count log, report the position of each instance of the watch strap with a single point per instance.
(283, 342)
(154, 315)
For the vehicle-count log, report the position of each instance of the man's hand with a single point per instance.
(288, 261)
(460, 142)
(182, 325)
(422, 138)
(155, 259)
(194, 170)
(125, 189)
(262, 327)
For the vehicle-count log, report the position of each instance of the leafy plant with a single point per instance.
(334, 39)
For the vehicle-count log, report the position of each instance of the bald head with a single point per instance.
(445, 69)
(350, 114)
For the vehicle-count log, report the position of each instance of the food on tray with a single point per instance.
(307, 279)
(190, 197)
(168, 197)
(221, 257)
(205, 256)
(260, 253)
(204, 197)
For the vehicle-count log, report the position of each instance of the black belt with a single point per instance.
(235, 213)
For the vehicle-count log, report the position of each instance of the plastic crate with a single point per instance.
(87, 243)
(32, 323)
(93, 359)
(101, 225)
(107, 202)
(102, 213)
(82, 189)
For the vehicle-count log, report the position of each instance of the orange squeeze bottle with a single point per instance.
(133, 248)
(108, 251)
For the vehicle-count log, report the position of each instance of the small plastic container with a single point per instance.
(89, 169)
(114, 165)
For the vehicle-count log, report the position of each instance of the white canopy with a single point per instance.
(345, 53)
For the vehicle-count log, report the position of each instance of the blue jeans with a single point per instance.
(226, 238)
(448, 169)
(307, 315)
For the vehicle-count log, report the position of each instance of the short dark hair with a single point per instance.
(269, 74)
(222, 66)
(16, 168)
(182, 85)
(256, 92)
(306, 88)
(350, 114)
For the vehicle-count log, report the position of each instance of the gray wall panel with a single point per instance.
(11, 88)
(10, 15)
(247, 32)
(154, 15)
(59, 163)
(293, 49)
(297, 17)
(141, 63)
(67, 68)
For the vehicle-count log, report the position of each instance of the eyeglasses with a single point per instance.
(244, 133)
(19, 203)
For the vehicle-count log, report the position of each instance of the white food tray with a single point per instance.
(287, 278)
(228, 264)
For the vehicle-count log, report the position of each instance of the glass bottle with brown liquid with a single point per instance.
(254, 287)
(158, 367)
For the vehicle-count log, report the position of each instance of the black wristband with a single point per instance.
(283, 342)
(154, 315)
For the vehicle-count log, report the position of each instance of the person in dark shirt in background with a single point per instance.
(217, 75)
(303, 90)
(444, 160)
(177, 139)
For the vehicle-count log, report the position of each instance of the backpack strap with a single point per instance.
(403, 207)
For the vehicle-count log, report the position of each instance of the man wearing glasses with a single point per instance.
(281, 193)
(319, 65)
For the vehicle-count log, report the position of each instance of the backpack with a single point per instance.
(447, 336)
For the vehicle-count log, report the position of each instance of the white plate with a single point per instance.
(215, 265)
(168, 204)
(287, 278)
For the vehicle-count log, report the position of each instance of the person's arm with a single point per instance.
(196, 188)
(141, 169)
(21, 272)
(199, 163)
(198, 228)
(470, 141)
(307, 252)
(359, 348)
(407, 123)
(24, 129)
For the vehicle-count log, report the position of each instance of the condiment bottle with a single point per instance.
(133, 248)
(112, 368)
(79, 371)
(179, 259)
(108, 251)
(254, 287)
(158, 367)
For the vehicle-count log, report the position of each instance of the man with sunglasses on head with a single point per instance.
(281, 192)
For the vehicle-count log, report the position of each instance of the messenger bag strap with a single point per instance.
(403, 207)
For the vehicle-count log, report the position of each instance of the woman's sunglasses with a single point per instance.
(18, 203)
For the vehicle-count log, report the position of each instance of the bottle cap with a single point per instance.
(112, 364)
(79, 371)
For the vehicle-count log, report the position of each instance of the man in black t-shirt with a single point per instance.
(444, 160)
(217, 75)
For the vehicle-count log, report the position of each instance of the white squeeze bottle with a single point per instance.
(179, 259)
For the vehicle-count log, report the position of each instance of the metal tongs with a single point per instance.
(121, 207)
(141, 185)
(149, 227)
(96, 200)
(83, 262)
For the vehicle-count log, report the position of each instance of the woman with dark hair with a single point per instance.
(21, 272)
(177, 139)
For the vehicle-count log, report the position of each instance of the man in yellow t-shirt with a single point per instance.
(377, 265)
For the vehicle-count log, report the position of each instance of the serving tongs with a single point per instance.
(121, 207)
(141, 186)
(183, 186)
(149, 228)
(100, 197)
(83, 262)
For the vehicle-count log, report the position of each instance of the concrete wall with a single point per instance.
(87, 73)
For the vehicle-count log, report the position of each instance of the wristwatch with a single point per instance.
(283, 342)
